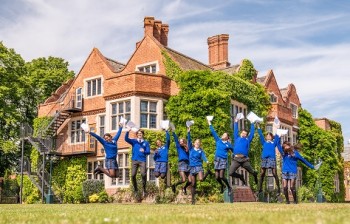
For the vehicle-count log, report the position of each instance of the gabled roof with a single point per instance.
(115, 66)
(230, 70)
(261, 80)
(185, 62)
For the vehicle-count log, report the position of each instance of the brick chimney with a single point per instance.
(164, 34)
(148, 25)
(218, 51)
(156, 29)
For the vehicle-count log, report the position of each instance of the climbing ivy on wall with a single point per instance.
(209, 92)
(326, 145)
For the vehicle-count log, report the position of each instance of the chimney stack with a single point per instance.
(156, 29)
(218, 51)
(148, 25)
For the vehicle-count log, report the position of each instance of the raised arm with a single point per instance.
(167, 140)
(101, 140)
(251, 132)
(302, 159)
(261, 136)
(176, 140)
(235, 130)
(116, 137)
(213, 132)
(127, 139)
(279, 147)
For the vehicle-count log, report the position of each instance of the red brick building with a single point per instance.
(105, 89)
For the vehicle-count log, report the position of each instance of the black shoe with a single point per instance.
(97, 170)
(173, 188)
(222, 189)
(210, 173)
(184, 191)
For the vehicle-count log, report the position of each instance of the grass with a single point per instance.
(177, 213)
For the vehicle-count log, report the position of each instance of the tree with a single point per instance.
(46, 75)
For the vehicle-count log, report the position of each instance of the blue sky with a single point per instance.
(305, 42)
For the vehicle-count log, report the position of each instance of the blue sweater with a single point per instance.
(269, 147)
(290, 161)
(222, 147)
(161, 155)
(111, 148)
(242, 145)
(137, 155)
(181, 152)
(196, 156)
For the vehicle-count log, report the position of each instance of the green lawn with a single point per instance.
(176, 213)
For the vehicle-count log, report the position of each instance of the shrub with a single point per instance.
(91, 187)
(93, 198)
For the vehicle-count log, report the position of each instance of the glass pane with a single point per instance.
(127, 117)
(147, 69)
(102, 131)
(121, 107)
(73, 125)
(144, 120)
(120, 177)
(89, 88)
(89, 170)
(153, 68)
(82, 135)
(94, 87)
(114, 108)
(99, 86)
(114, 122)
(102, 121)
(127, 176)
(127, 106)
(153, 107)
(120, 160)
(151, 175)
(153, 121)
(126, 159)
(144, 106)
(72, 137)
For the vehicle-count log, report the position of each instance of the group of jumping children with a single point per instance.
(191, 157)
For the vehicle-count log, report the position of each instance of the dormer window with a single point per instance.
(93, 87)
(148, 68)
(273, 98)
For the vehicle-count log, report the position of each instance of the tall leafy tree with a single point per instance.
(46, 75)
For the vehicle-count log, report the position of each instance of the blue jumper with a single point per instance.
(242, 145)
(269, 147)
(111, 148)
(197, 156)
(181, 152)
(222, 147)
(290, 161)
(161, 155)
(137, 155)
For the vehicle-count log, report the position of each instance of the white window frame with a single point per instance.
(294, 109)
(77, 131)
(117, 112)
(336, 183)
(79, 97)
(102, 124)
(149, 114)
(145, 66)
(299, 179)
(124, 165)
(99, 92)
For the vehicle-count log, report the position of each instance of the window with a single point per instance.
(78, 98)
(102, 124)
(148, 114)
(336, 183)
(124, 170)
(236, 108)
(269, 128)
(91, 165)
(273, 98)
(294, 110)
(270, 181)
(94, 87)
(77, 134)
(120, 109)
(151, 68)
(92, 140)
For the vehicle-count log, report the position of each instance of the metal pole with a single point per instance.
(22, 158)
(43, 180)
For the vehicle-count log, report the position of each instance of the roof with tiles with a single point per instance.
(115, 65)
(185, 62)
(231, 70)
